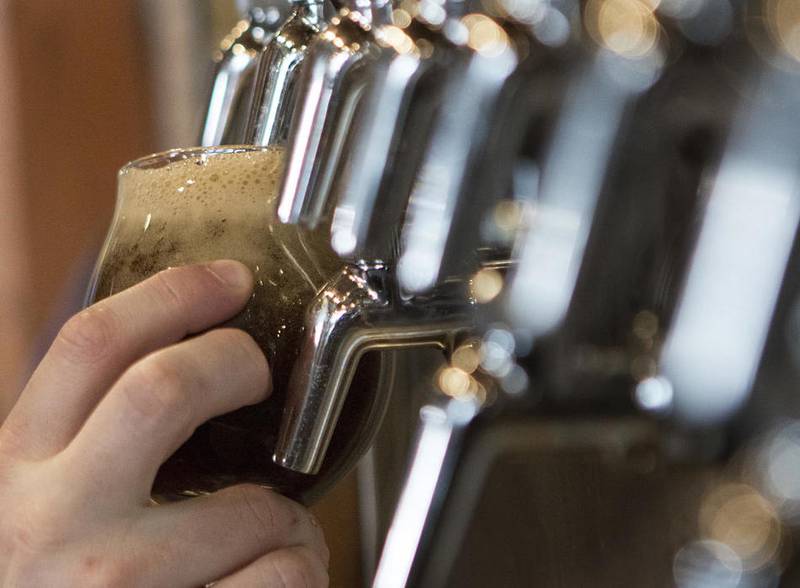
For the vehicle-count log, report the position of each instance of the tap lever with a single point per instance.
(275, 91)
(329, 89)
(390, 134)
(552, 248)
(234, 77)
(460, 132)
(715, 345)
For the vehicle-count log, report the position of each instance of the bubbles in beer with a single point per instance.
(203, 207)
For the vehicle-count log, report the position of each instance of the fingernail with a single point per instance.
(233, 273)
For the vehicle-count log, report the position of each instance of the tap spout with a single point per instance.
(359, 310)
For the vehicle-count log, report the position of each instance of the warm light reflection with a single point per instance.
(645, 325)
(401, 18)
(467, 357)
(783, 20)
(484, 35)
(397, 39)
(457, 383)
(627, 27)
(738, 516)
(486, 285)
(508, 215)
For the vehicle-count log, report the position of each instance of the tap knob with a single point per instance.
(234, 76)
(330, 86)
(275, 91)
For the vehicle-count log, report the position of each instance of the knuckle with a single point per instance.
(167, 290)
(155, 388)
(99, 572)
(268, 515)
(88, 336)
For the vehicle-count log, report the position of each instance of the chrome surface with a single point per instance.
(397, 112)
(275, 92)
(749, 228)
(331, 85)
(234, 78)
(461, 129)
(359, 310)
(639, 165)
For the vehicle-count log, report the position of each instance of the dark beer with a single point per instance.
(198, 205)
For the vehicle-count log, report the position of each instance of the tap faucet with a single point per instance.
(363, 309)
(392, 129)
(740, 263)
(234, 76)
(461, 131)
(329, 89)
(359, 310)
(275, 91)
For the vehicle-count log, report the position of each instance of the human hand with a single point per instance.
(118, 392)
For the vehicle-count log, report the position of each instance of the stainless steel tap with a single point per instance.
(740, 263)
(460, 134)
(234, 76)
(392, 129)
(333, 78)
(275, 92)
(361, 310)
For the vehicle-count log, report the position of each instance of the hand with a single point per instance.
(118, 392)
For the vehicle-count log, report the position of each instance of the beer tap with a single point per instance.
(275, 92)
(330, 86)
(363, 309)
(234, 76)
(741, 283)
(598, 94)
(459, 136)
(390, 133)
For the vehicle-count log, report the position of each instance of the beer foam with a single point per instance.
(236, 183)
(194, 206)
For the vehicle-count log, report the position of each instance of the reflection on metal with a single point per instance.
(440, 428)
(232, 88)
(397, 111)
(333, 79)
(358, 311)
(460, 131)
(714, 348)
(572, 178)
(275, 93)
(450, 468)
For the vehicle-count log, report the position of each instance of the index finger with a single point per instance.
(97, 345)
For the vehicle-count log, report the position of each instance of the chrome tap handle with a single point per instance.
(460, 131)
(329, 89)
(234, 77)
(397, 113)
(358, 311)
(274, 96)
(715, 345)
(552, 247)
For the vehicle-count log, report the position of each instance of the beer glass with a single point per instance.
(195, 205)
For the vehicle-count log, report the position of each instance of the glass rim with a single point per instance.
(165, 158)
